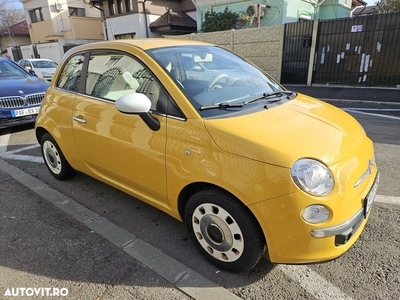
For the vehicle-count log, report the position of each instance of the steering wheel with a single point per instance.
(214, 81)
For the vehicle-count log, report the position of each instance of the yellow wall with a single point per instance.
(80, 28)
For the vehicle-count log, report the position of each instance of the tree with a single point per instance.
(10, 13)
(220, 21)
(237, 20)
(387, 6)
(263, 11)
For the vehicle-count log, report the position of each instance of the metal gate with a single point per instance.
(296, 52)
(359, 51)
(362, 51)
(17, 53)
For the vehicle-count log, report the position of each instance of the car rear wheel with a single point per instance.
(54, 158)
(224, 230)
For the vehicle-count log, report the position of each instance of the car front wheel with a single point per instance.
(224, 230)
(54, 158)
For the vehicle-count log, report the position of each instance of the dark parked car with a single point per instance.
(21, 93)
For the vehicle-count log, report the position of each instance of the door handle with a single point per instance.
(79, 119)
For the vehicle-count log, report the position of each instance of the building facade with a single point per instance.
(56, 25)
(133, 18)
(277, 12)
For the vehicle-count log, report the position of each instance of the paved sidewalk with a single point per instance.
(50, 244)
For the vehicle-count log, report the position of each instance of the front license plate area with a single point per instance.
(25, 112)
(370, 196)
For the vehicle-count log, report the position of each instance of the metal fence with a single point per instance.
(359, 51)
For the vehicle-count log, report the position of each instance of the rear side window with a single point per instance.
(70, 76)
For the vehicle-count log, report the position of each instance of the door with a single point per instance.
(119, 148)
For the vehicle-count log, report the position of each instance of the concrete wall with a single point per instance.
(263, 46)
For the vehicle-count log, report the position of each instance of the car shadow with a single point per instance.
(45, 241)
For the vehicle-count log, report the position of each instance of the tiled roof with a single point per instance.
(359, 3)
(364, 10)
(174, 18)
(20, 28)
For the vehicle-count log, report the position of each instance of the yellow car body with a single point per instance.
(246, 154)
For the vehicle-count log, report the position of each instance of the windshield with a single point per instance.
(43, 64)
(10, 69)
(210, 76)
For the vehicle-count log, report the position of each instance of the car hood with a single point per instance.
(302, 127)
(22, 85)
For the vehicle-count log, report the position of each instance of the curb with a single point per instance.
(183, 278)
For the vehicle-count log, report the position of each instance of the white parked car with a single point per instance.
(44, 68)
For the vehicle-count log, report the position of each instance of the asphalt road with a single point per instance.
(55, 235)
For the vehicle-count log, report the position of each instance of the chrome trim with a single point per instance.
(339, 229)
(367, 172)
(21, 101)
(362, 178)
(79, 120)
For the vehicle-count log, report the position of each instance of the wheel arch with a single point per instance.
(195, 187)
(39, 132)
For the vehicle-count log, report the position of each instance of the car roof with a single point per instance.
(142, 43)
(36, 59)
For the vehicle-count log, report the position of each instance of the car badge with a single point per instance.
(21, 92)
(370, 165)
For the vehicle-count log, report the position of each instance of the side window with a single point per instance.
(70, 76)
(113, 74)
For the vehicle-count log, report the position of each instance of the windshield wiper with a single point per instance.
(278, 93)
(267, 95)
(263, 96)
(222, 105)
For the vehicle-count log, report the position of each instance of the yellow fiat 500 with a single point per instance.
(202, 134)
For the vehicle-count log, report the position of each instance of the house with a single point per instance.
(364, 11)
(277, 12)
(57, 25)
(12, 37)
(147, 18)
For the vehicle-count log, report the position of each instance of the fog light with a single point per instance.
(315, 214)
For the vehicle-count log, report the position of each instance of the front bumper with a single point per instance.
(292, 240)
(344, 231)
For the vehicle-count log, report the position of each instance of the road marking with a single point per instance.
(387, 199)
(12, 154)
(312, 282)
(4, 139)
(374, 109)
(369, 114)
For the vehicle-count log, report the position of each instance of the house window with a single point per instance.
(36, 15)
(76, 11)
(120, 6)
(129, 5)
(125, 36)
(111, 7)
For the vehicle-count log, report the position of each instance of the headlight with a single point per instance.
(312, 177)
(47, 74)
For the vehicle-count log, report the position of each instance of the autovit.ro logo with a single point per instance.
(30, 292)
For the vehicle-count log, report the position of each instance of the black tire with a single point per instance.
(224, 230)
(54, 158)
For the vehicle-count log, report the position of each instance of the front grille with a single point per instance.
(19, 101)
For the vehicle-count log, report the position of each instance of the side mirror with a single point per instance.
(138, 104)
(33, 73)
